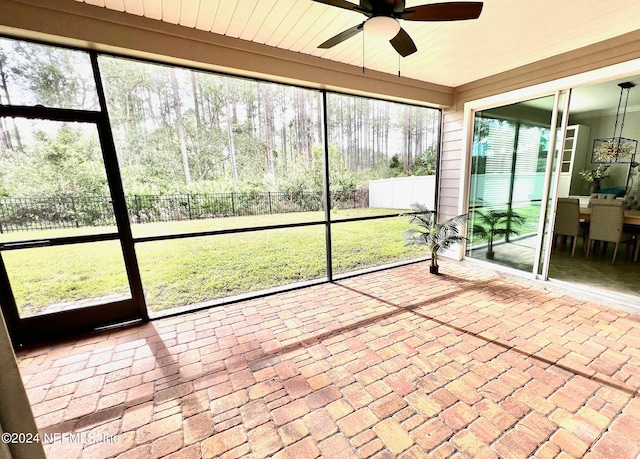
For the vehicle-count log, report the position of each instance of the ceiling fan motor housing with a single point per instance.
(382, 7)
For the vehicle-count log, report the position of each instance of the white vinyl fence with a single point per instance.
(401, 192)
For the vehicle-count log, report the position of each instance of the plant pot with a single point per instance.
(434, 269)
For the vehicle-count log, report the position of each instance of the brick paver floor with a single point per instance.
(397, 363)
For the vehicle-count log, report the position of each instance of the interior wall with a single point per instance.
(602, 127)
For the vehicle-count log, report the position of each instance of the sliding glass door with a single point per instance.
(512, 171)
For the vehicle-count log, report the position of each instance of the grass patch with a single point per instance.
(188, 271)
(192, 270)
(51, 275)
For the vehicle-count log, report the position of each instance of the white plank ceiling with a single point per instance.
(508, 34)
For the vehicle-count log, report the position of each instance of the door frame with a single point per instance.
(30, 330)
(553, 172)
(541, 256)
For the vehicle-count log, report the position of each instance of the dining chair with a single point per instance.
(607, 224)
(597, 197)
(567, 222)
(632, 202)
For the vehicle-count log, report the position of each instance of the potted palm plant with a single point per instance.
(437, 237)
(493, 223)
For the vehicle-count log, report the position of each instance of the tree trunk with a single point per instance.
(304, 128)
(406, 141)
(490, 248)
(196, 100)
(180, 127)
(6, 134)
(230, 118)
(267, 110)
(434, 268)
(284, 138)
(385, 135)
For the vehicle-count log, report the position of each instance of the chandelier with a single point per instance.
(616, 149)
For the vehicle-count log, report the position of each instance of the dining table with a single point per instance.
(631, 217)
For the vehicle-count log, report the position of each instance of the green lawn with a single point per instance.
(188, 271)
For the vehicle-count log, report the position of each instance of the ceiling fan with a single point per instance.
(384, 14)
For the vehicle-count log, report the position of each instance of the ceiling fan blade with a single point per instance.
(344, 4)
(403, 43)
(342, 36)
(449, 11)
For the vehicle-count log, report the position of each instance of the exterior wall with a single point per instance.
(452, 173)
(452, 165)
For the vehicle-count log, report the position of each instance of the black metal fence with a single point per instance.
(24, 214)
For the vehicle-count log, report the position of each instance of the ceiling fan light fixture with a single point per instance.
(382, 27)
